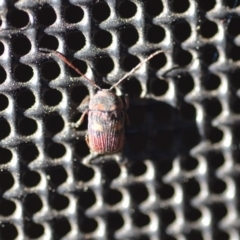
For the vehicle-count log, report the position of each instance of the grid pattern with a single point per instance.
(177, 176)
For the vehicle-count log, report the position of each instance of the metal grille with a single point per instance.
(178, 174)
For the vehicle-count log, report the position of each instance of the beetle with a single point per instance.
(106, 112)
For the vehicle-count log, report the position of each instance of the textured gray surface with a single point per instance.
(180, 175)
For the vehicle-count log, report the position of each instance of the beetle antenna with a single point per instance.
(64, 59)
(135, 68)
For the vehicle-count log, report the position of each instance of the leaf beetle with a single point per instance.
(106, 112)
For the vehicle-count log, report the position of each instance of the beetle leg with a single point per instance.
(87, 140)
(90, 158)
(84, 104)
(80, 121)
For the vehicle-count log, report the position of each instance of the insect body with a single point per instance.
(106, 113)
(106, 120)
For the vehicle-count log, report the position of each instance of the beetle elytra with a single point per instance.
(106, 112)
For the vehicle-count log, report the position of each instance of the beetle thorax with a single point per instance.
(105, 100)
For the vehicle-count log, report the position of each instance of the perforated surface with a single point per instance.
(180, 171)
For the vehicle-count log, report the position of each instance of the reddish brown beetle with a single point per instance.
(106, 113)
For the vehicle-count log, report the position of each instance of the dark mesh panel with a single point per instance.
(177, 177)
